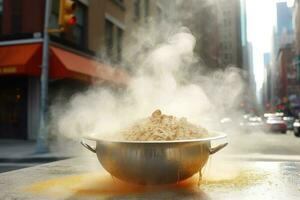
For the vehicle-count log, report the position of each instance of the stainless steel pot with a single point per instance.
(154, 162)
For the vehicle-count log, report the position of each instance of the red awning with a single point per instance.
(26, 59)
(20, 59)
(64, 64)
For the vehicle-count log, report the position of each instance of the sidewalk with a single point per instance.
(16, 154)
(25, 150)
(265, 157)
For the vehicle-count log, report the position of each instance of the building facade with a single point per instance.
(296, 22)
(230, 33)
(283, 71)
(85, 53)
(288, 84)
(285, 52)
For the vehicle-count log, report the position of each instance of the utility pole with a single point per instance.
(41, 145)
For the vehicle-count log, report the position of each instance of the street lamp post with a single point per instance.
(42, 146)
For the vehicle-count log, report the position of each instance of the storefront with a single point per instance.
(13, 101)
(20, 82)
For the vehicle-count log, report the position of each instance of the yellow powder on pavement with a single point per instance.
(241, 179)
(91, 184)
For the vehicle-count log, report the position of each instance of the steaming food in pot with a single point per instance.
(158, 150)
(163, 127)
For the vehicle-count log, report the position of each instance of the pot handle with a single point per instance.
(87, 146)
(217, 148)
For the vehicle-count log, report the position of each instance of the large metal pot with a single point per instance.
(154, 162)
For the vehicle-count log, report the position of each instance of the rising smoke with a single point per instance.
(166, 74)
(168, 77)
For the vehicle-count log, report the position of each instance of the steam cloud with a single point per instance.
(167, 76)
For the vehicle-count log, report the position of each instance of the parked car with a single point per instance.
(275, 123)
(289, 122)
(296, 126)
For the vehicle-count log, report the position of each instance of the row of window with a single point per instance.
(16, 14)
(137, 10)
(1, 11)
(113, 41)
(226, 22)
(227, 58)
(76, 36)
(225, 45)
(226, 12)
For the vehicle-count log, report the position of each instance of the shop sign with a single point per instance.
(8, 70)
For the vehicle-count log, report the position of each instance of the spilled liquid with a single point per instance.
(95, 184)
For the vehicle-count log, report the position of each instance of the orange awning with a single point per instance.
(26, 59)
(64, 64)
(20, 59)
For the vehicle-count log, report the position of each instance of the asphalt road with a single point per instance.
(264, 143)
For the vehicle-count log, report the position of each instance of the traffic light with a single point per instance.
(66, 13)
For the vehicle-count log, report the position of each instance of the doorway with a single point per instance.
(13, 107)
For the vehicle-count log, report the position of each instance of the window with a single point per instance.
(21, 20)
(76, 35)
(146, 9)
(109, 37)
(119, 44)
(1, 11)
(226, 56)
(158, 12)
(230, 58)
(226, 13)
(229, 22)
(79, 29)
(53, 22)
(225, 45)
(54, 13)
(16, 16)
(136, 7)
(119, 3)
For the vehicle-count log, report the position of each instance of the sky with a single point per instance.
(261, 20)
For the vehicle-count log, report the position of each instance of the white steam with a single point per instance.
(161, 81)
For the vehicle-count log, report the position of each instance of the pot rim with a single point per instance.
(215, 136)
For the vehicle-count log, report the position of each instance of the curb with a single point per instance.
(32, 159)
(271, 158)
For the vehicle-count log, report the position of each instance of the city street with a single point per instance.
(152, 93)
(266, 144)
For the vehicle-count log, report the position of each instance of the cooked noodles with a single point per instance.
(163, 127)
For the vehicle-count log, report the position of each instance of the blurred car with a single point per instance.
(252, 123)
(225, 120)
(296, 126)
(226, 123)
(289, 122)
(230, 123)
(275, 123)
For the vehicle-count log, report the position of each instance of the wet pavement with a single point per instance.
(84, 178)
(252, 166)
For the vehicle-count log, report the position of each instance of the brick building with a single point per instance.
(75, 61)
